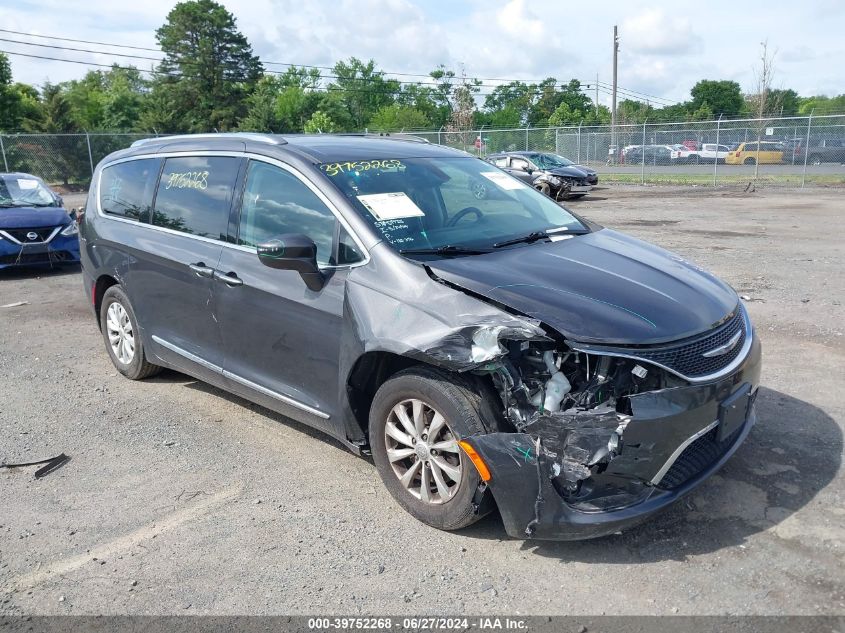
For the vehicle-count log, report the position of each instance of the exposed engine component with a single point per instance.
(576, 403)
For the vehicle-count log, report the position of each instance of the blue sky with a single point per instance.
(665, 46)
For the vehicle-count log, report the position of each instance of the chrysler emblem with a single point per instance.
(724, 349)
(32, 236)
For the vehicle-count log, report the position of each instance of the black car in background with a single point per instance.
(496, 351)
(650, 154)
(551, 174)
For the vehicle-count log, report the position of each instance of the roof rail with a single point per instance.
(252, 136)
(396, 136)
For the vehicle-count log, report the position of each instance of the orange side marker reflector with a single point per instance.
(475, 458)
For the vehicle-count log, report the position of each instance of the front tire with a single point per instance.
(122, 336)
(416, 420)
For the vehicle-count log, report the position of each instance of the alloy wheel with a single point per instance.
(423, 451)
(120, 332)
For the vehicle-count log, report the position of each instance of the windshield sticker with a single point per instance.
(391, 206)
(333, 169)
(503, 180)
(395, 231)
(27, 183)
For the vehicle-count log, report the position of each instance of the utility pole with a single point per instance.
(597, 97)
(613, 101)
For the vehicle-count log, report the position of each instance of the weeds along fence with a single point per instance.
(809, 151)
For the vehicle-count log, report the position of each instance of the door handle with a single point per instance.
(230, 279)
(202, 270)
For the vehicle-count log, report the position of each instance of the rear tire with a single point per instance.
(446, 504)
(815, 160)
(123, 337)
(749, 161)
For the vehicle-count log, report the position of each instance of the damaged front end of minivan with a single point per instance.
(592, 438)
(602, 439)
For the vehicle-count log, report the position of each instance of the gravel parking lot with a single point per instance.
(182, 499)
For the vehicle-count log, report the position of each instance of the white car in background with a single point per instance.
(707, 153)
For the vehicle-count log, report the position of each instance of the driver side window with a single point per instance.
(276, 202)
(519, 163)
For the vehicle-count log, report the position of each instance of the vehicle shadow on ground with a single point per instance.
(34, 272)
(793, 452)
(169, 376)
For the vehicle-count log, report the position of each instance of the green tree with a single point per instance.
(261, 107)
(363, 89)
(107, 100)
(209, 66)
(18, 102)
(515, 97)
(320, 122)
(397, 117)
(821, 104)
(787, 99)
(722, 97)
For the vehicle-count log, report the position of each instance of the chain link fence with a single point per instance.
(792, 151)
(789, 151)
(66, 159)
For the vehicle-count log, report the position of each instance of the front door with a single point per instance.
(282, 340)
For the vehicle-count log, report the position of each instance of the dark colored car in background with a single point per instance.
(650, 154)
(820, 151)
(34, 227)
(553, 175)
(488, 352)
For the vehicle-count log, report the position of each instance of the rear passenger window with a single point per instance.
(126, 189)
(276, 202)
(194, 195)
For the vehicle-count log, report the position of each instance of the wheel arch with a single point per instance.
(103, 283)
(373, 368)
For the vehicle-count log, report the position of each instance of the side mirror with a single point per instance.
(293, 251)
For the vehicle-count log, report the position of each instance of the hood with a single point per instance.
(572, 172)
(586, 170)
(32, 217)
(603, 287)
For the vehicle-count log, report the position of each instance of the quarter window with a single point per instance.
(194, 195)
(277, 203)
(126, 189)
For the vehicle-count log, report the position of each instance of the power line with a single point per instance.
(322, 89)
(534, 91)
(633, 93)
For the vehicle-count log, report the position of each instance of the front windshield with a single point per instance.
(430, 203)
(550, 161)
(24, 191)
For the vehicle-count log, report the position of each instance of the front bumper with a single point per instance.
(671, 444)
(59, 250)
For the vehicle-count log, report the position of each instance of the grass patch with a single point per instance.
(788, 180)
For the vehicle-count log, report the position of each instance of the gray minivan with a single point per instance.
(497, 352)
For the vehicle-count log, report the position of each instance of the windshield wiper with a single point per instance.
(538, 235)
(449, 249)
(528, 239)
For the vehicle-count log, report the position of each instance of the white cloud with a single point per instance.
(663, 51)
(655, 33)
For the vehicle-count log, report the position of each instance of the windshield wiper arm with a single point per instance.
(449, 249)
(528, 239)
